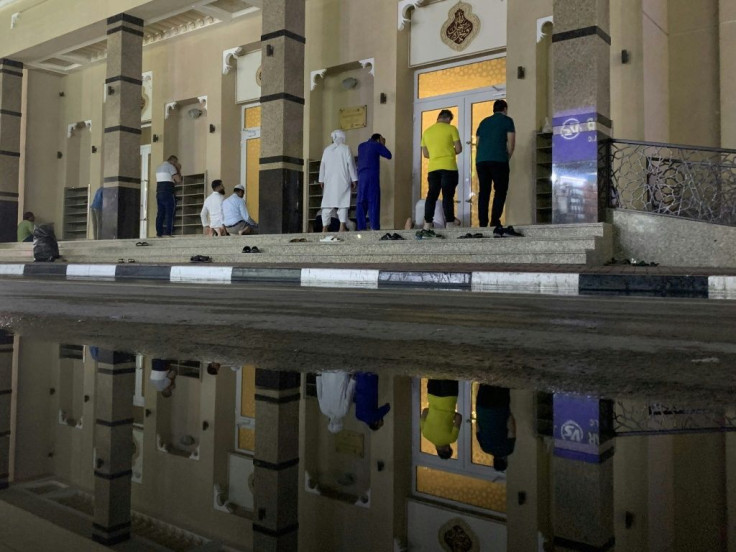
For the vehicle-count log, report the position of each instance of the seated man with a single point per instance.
(439, 423)
(211, 213)
(25, 228)
(495, 425)
(235, 214)
(418, 221)
(335, 392)
(162, 378)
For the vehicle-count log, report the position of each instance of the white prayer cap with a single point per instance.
(338, 136)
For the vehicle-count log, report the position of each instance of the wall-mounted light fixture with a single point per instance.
(59, 155)
(155, 137)
(212, 128)
(94, 149)
(520, 72)
(110, 91)
(269, 50)
(382, 98)
(625, 56)
(61, 94)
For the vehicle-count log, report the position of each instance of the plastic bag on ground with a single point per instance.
(45, 246)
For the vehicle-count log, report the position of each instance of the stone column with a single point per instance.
(281, 184)
(276, 462)
(582, 472)
(581, 47)
(113, 441)
(6, 395)
(122, 158)
(11, 86)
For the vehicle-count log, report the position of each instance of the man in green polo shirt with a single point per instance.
(441, 145)
(25, 228)
(496, 142)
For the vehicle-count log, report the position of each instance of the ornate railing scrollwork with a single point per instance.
(697, 183)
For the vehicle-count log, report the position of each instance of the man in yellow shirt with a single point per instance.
(439, 423)
(441, 145)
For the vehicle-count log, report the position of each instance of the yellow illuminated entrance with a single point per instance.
(468, 91)
(251, 154)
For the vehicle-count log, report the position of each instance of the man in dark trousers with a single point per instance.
(369, 181)
(495, 425)
(496, 142)
(366, 400)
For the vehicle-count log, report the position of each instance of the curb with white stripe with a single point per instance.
(540, 283)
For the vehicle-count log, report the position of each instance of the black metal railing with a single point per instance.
(692, 182)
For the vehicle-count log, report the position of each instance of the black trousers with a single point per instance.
(443, 388)
(490, 396)
(497, 174)
(445, 182)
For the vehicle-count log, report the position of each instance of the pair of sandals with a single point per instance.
(200, 259)
(249, 249)
(123, 261)
(392, 237)
(142, 244)
(470, 236)
(298, 240)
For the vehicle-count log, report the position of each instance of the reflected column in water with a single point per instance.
(582, 471)
(115, 386)
(6, 394)
(276, 463)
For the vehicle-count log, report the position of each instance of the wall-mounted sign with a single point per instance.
(354, 117)
(461, 27)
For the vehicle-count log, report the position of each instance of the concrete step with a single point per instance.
(407, 247)
(378, 259)
(571, 243)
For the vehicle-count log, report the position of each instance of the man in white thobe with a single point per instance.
(338, 177)
(211, 214)
(335, 392)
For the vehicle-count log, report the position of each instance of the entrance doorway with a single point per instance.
(145, 165)
(468, 91)
(250, 154)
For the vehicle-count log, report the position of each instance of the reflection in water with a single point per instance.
(184, 455)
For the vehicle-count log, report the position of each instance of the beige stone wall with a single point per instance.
(343, 32)
(522, 97)
(694, 73)
(727, 55)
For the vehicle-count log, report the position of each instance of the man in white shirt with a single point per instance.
(168, 174)
(211, 214)
(235, 214)
(338, 178)
(335, 391)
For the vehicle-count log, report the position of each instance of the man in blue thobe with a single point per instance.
(369, 181)
(366, 400)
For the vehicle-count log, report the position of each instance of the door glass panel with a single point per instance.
(252, 117)
(252, 174)
(462, 78)
(248, 392)
(428, 119)
(425, 445)
(477, 456)
(461, 488)
(478, 112)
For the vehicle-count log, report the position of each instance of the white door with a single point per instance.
(468, 111)
(145, 163)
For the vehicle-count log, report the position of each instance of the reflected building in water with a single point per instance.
(238, 458)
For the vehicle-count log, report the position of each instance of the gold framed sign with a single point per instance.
(461, 27)
(353, 117)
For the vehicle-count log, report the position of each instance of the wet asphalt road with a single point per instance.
(654, 348)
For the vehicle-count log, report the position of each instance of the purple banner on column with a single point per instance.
(577, 427)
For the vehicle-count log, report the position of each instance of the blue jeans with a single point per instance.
(165, 216)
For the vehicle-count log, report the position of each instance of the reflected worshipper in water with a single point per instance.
(495, 424)
(440, 424)
(366, 401)
(163, 378)
(335, 393)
